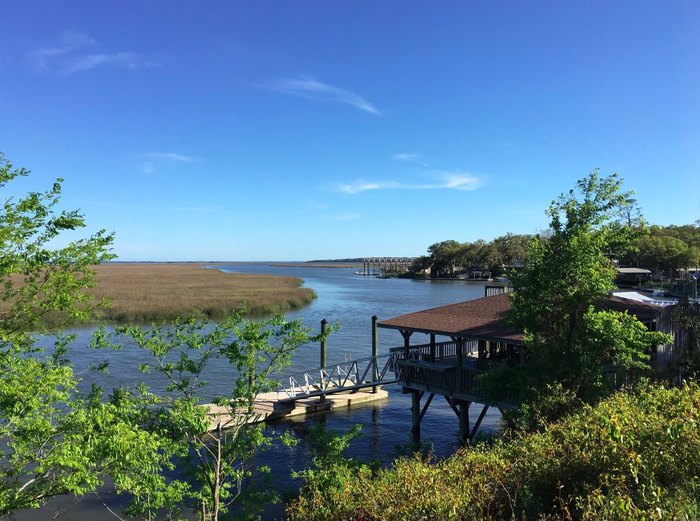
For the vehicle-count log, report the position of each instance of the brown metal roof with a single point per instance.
(480, 318)
(483, 318)
(644, 312)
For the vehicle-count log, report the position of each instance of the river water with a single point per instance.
(345, 298)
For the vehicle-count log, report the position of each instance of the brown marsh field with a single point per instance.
(154, 292)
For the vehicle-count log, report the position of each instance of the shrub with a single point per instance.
(633, 456)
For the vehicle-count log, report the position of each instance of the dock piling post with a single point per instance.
(415, 416)
(464, 422)
(375, 343)
(322, 398)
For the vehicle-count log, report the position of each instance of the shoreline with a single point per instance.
(289, 264)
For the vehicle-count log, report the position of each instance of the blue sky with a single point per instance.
(296, 130)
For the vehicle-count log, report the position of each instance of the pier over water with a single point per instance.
(385, 266)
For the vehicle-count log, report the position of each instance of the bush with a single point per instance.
(633, 456)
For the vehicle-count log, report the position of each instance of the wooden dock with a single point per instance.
(269, 408)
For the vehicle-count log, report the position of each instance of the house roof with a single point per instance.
(645, 311)
(483, 318)
(634, 271)
(480, 318)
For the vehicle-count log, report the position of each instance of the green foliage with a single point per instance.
(571, 341)
(219, 460)
(632, 456)
(447, 258)
(556, 401)
(56, 440)
(36, 278)
(48, 443)
(661, 251)
(330, 472)
(444, 257)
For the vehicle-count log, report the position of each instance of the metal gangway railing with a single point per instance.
(343, 376)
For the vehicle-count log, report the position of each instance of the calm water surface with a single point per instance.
(350, 300)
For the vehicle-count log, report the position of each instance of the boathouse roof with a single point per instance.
(480, 318)
(646, 312)
(484, 318)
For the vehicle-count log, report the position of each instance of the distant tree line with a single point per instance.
(450, 258)
(665, 249)
(662, 249)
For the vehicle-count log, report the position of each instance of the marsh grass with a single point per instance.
(155, 292)
(151, 292)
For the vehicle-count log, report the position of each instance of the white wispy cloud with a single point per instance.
(405, 157)
(155, 160)
(170, 156)
(74, 53)
(445, 180)
(311, 88)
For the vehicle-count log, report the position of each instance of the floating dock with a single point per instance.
(269, 408)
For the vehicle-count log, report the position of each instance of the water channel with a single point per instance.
(345, 298)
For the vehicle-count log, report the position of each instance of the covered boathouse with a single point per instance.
(473, 337)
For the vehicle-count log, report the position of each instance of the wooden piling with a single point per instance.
(375, 346)
(463, 408)
(324, 322)
(415, 415)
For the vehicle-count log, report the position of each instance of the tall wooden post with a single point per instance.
(406, 334)
(375, 344)
(322, 398)
(415, 416)
(323, 342)
(432, 347)
(464, 422)
(460, 347)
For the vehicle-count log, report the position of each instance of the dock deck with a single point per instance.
(269, 408)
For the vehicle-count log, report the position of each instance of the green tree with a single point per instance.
(571, 341)
(475, 253)
(509, 250)
(42, 283)
(55, 439)
(420, 263)
(666, 248)
(444, 257)
(45, 424)
(216, 461)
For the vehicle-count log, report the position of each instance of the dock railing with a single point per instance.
(339, 377)
(443, 351)
(434, 368)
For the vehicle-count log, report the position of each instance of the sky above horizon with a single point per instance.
(233, 130)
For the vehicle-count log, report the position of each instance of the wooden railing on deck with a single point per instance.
(442, 378)
(443, 350)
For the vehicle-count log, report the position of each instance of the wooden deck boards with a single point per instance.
(269, 408)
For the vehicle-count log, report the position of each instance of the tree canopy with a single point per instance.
(447, 258)
(572, 342)
(46, 426)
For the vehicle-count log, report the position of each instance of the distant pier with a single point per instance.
(385, 266)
